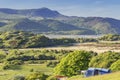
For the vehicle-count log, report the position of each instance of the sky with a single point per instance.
(82, 8)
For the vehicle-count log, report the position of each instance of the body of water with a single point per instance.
(73, 36)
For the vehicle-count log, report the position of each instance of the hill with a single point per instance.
(98, 24)
(112, 76)
(24, 25)
(43, 26)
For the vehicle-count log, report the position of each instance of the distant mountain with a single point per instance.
(98, 24)
(58, 26)
(41, 12)
(42, 26)
(44, 20)
(64, 28)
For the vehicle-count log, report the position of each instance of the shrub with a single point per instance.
(31, 70)
(16, 62)
(8, 66)
(36, 76)
(18, 77)
(52, 63)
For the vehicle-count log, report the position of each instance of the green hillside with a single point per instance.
(98, 24)
(25, 25)
(58, 26)
(112, 76)
(43, 26)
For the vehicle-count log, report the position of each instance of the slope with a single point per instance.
(98, 24)
(41, 12)
(25, 25)
(112, 76)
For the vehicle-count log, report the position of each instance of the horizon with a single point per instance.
(86, 8)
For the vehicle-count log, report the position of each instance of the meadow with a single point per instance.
(24, 70)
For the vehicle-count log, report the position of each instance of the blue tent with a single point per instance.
(96, 71)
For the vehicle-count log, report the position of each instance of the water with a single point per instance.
(73, 36)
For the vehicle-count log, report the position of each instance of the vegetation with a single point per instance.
(104, 60)
(36, 76)
(98, 24)
(73, 62)
(20, 39)
(18, 77)
(69, 63)
(110, 37)
(39, 63)
(43, 26)
(115, 66)
(20, 61)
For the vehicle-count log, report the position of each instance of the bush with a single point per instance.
(16, 62)
(52, 63)
(18, 77)
(36, 76)
(31, 70)
(8, 66)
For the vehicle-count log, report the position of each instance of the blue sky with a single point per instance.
(85, 8)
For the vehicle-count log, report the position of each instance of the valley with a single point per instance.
(40, 44)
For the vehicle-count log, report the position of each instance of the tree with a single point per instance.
(104, 60)
(72, 63)
(18, 77)
(38, 41)
(115, 66)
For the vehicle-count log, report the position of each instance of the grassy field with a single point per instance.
(24, 70)
(112, 76)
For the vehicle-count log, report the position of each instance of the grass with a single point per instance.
(24, 70)
(112, 76)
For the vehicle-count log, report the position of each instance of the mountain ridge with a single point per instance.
(43, 12)
(47, 20)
